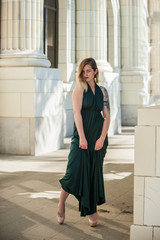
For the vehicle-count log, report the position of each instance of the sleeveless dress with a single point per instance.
(84, 174)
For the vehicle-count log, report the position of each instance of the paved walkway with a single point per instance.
(29, 192)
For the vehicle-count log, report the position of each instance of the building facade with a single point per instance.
(42, 43)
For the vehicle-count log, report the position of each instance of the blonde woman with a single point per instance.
(84, 174)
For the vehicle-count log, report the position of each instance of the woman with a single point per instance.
(84, 174)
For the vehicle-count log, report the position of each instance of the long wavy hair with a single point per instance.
(92, 63)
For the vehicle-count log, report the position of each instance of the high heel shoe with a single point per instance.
(93, 222)
(60, 218)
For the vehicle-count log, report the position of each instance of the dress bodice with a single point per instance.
(93, 101)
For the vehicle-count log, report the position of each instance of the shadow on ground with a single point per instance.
(28, 205)
(29, 192)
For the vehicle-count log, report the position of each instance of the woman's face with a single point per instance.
(88, 73)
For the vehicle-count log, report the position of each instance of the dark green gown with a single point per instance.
(84, 174)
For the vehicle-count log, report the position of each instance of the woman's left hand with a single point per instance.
(99, 144)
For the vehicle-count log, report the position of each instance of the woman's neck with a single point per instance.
(92, 84)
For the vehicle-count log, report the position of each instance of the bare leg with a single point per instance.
(61, 204)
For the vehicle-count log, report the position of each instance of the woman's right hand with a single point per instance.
(83, 143)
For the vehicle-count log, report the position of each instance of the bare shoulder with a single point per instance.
(78, 90)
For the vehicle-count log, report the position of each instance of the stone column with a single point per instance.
(114, 30)
(146, 225)
(91, 35)
(66, 59)
(91, 41)
(31, 93)
(22, 33)
(154, 8)
(135, 58)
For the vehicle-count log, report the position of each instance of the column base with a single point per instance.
(24, 60)
(111, 82)
(135, 92)
(134, 71)
(31, 136)
(104, 66)
(129, 115)
(68, 108)
(31, 110)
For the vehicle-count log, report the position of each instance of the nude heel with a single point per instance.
(93, 222)
(60, 218)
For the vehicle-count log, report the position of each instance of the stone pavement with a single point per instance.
(29, 192)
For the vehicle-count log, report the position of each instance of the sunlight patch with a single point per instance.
(45, 194)
(32, 166)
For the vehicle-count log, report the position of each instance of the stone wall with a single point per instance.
(147, 176)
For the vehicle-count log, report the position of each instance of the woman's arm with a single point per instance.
(106, 122)
(77, 97)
